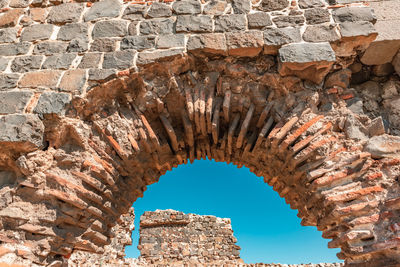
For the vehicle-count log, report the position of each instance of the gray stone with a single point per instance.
(65, 13)
(208, 43)
(352, 14)
(189, 23)
(90, 60)
(171, 41)
(354, 129)
(376, 127)
(119, 59)
(383, 146)
(8, 81)
(158, 56)
(138, 42)
(101, 75)
(282, 36)
(52, 103)
(134, 12)
(62, 61)
(390, 89)
(396, 63)
(77, 45)
(103, 45)
(187, 7)
(310, 3)
(356, 105)
(215, 7)
(317, 15)
(50, 47)
(228, 23)
(159, 10)
(271, 5)
(259, 20)
(8, 35)
(321, 33)
(37, 32)
(157, 26)
(14, 101)
(288, 21)
(103, 9)
(24, 130)
(26, 63)
(241, 6)
(14, 49)
(306, 52)
(392, 107)
(132, 28)
(3, 63)
(73, 31)
(110, 28)
(359, 28)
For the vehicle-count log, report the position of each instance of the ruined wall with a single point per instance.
(276, 86)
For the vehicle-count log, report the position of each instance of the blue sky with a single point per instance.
(267, 229)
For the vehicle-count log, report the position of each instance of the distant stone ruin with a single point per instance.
(98, 99)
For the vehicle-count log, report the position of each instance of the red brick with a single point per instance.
(355, 194)
(45, 78)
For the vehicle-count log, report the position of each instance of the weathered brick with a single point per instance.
(26, 63)
(14, 49)
(112, 28)
(61, 61)
(228, 23)
(52, 103)
(103, 9)
(138, 42)
(73, 81)
(14, 101)
(37, 32)
(65, 13)
(119, 59)
(187, 7)
(189, 23)
(157, 26)
(8, 35)
(46, 78)
(10, 18)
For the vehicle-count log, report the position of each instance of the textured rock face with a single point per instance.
(101, 100)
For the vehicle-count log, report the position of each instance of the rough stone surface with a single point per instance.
(119, 60)
(383, 146)
(288, 21)
(37, 32)
(103, 9)
(65, 13)
(227, 23)
(258, 20)
(321, 33)
(72, 31)
(73, 81)
(109, 29)
(57, 62)
(306, 53)
(158, 10)
(171, 41)
(14, 101)
(46, 78)
(157, 26)
(187, 7)
(138, 42)
(50, 47)
(188, 23)
(14, 49)
(271, 5)
(26, 63)
(353, 14)
(317, 15)
(8, 35)
(213, 43)
(52, 103)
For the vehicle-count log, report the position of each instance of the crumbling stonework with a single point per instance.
(99, 99)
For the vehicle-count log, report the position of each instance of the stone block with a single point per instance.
(39, 79)
(38, 14)
(215, 7)
(37, 32)
(138, 42)
(8, 81)
(275, 37)
(339, 78)
(384, 9)
(171, 41)
(26, 63)
(380, 52)
(288, 21)
(19, 3)
(145, 58)
(189, 23)
(4, 63)
(187, 7)
(119, 59)
(103, 9)
(383, 70)
(14, 101)
(111, 28)
(21, 132)
(321, 33)
(258, 20)
(59, 62)
(8, 35)
(383, 146)
(90, 60)
(157, 26)
(376, 127)
(65, 13)
(10, 18)
(159, 10)
(101, 75)
(134, 12)
(73, 81)
(52, 103)
(228, 23)
(359, 28)
(317, 15)
(241, 6)
(73, 31)
(310, 3)
(132, 28)
(245, 44)
(353, 14)
(14, 49)
(50, 47)
(208, 43)
(103, 45)
(77, 45)
(272, 5)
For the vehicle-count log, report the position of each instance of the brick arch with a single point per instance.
(136, 104)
